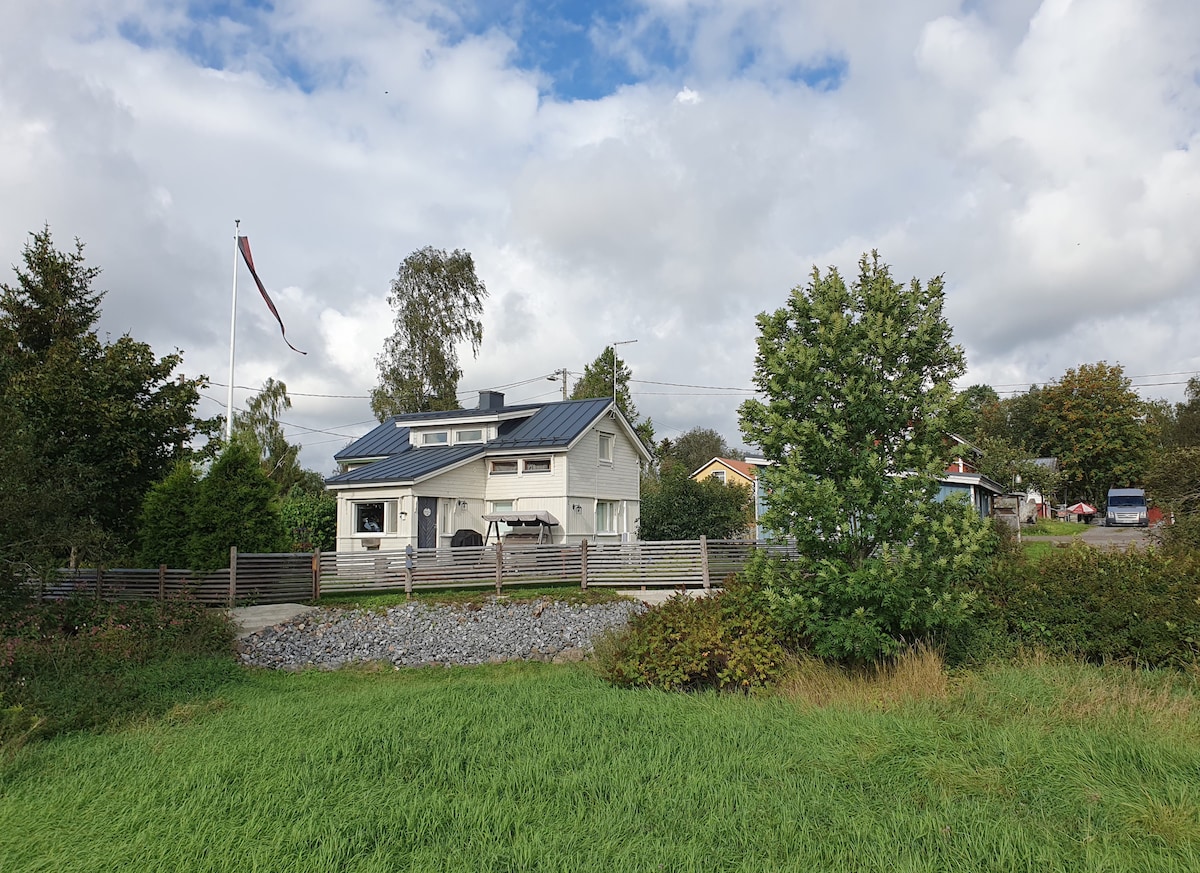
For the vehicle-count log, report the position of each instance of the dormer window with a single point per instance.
(435, 438)
(471, 435)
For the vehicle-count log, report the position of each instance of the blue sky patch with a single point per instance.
(827, 75)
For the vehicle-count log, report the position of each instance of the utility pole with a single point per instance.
(560, 374)
(614, 350)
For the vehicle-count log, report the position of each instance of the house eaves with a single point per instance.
(972, 479)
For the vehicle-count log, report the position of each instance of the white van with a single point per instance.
(1126, 506)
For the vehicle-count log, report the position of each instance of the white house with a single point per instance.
(418, 479)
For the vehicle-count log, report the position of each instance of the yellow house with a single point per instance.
(729, 471)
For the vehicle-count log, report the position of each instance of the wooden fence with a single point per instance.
(283, 578)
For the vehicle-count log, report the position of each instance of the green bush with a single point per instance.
(1140, 606)
(725, 641)
(78, 663)
(920, 590)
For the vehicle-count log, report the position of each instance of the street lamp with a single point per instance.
(614, 348)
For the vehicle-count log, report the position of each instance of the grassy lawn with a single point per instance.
(459, 596)
(543, 767)
(1047, 527)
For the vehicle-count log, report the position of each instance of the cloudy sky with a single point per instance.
(659, 170)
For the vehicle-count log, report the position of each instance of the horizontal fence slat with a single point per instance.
(284, 577)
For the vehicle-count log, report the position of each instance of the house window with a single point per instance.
(606, 516)
(606, 447)
(435, 438)
(497, 506)
(537, 465)
(475, 435)
(368, 517)
(719, 475)
(503, 468)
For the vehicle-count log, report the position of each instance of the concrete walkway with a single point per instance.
(252, 619)
(655, 596)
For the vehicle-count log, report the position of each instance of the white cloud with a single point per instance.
(1041, 156)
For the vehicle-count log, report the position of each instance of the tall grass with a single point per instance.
(1035, 767)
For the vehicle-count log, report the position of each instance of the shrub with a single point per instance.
(79, 663)
(1136, 606)
(725, 641)
(918, 590)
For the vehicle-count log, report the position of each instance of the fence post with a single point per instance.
(583, 547)
(704, 561)
(162, 582)
(316, 574)
(99, 579)
(232, 575)
(499, 565)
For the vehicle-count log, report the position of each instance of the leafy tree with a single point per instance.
(680, 508)
(108, 418)
(966, 410)
(1014, 467)
(1015, 421)
(236, 505)
(857, 386)
(597, 381)
(259, 427)
(1185, 428)
(310, 520)
(165, 523)
(1173, 482)
(1095, 424)
(697, 447)
(438, 300)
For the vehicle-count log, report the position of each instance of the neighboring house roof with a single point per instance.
(527, 427)
(977, 479)
(746, 471)
(965, 444)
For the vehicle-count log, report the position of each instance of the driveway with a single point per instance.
(1102, 537)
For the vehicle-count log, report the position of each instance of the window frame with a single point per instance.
(496, 462)
(360, 518)
(609, 440)
(613, 507)
(459, 439)
(549, 465)
(427, 438)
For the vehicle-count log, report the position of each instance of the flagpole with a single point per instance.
(232, 336)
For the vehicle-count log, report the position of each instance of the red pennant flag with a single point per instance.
(244, 248)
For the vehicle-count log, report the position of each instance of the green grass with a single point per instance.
(1046, 527)
(564, 593)
(1037, 551)
(543, 767)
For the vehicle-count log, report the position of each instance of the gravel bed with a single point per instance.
(415, 633)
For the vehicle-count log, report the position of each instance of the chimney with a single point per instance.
(491, 400)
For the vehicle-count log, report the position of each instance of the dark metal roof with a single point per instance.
(408, 466)
(549, 426)
(555, 425)
(385, 440)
